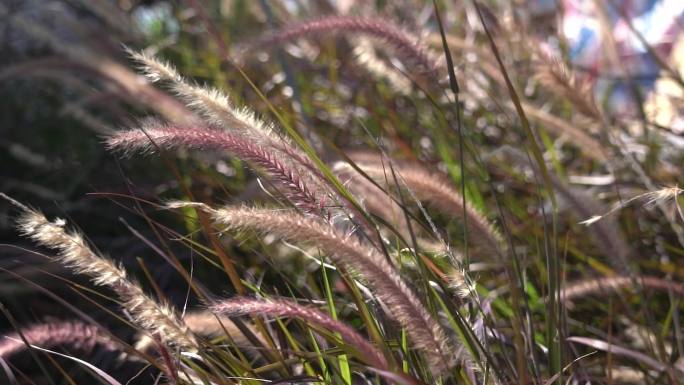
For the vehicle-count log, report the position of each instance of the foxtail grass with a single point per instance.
(430, 188)
(153, 134)
(598, 286)
(71, 334)
(419, 59)
(74, 253)
(286, 308)
(404, 306)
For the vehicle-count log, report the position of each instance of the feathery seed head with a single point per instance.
(557, 77)
(75, 334)
(74, 253)
(419, 59)
(154, 69)
(212, 104)
(206, 324)
(651, 198)
(426, 186)
(286, 308)
(608, 284)
(460, 282)
(426, 333)
(297, 187)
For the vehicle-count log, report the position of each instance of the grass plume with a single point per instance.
(431, 188)
(555, 76)
(74, 334)
(418, 58)
(405, 307)
(74, 253)
(285, 308)
(602, 285)
(210, 103)
(209, 325)
(154, 133)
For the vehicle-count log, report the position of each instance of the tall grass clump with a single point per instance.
(428, 194)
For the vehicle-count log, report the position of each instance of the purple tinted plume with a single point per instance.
(285, 308)
(75, 334)
(158, 134)
(419, 58)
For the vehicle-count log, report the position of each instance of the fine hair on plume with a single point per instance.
(379, 201)
(215, 107)
(210, 325)
(211, 104)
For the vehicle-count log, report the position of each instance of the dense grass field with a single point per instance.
(336, 192)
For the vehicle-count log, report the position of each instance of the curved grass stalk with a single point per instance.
(217, 108)
(210, 103)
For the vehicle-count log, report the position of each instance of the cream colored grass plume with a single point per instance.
(554, 75)
(215, 106)
(73, 252)
(383, 279)
(379, 202)
(209, 325)
(651, 198)
(286, 308)
(366, 57)
(218, 110)
(373, 198)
